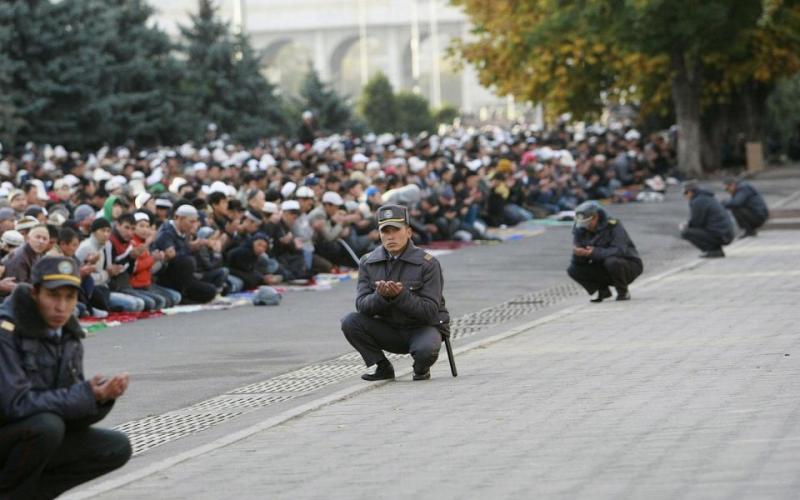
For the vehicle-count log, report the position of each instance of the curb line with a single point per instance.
(344, 394)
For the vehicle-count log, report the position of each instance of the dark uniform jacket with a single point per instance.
(39, 373)
(168, 236)
(707, 213)
(421, 302)
(608, 240)
(746, 196)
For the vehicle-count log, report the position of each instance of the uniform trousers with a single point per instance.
(612, 271)
(706, 241)
(41, 457)
(747, 219)
(370, 337)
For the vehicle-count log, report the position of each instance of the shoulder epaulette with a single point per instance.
(7, 326)
(428, 257)
(612, 221)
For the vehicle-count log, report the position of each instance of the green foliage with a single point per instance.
(413, 113)
(682, 56)
(378, 105)
(446, 114)
(224, 82)
(84, 72)
(784, 110)
(332, 111)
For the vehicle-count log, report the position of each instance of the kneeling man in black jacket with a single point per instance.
(47, 444)
(603, 254)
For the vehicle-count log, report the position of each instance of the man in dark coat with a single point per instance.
(709, 227)
(747, 205)
(399, 301)
(174, 239)
(47, 444)
(603, 254)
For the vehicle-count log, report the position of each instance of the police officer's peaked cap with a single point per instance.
(585, 212)
(55, 271)
(690, 186)
(393, 215)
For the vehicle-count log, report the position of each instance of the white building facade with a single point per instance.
(348, 41)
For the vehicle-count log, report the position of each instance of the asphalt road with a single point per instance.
(179, 360)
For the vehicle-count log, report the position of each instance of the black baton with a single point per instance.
(450, 356)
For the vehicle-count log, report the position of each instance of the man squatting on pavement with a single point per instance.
(399, 301)
(746, 204)
(47, 444)
(603, 253)
(709, 227)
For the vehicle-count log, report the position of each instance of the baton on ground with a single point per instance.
(450, 357)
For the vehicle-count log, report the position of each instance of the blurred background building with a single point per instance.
(348, 41)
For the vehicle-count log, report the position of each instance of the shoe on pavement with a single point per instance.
(383, 371)
(422, 376)
(748, 233)
(602, 294)
(623, 294)
(713, 254)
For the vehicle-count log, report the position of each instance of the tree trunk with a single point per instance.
(686, 96)
(754, 99)
(716, 123)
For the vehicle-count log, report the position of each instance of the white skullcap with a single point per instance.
(176, 184)
(288, 189)
(332, 198)
(290, 205)
(304, 192)
(141, 199)
(186, 211)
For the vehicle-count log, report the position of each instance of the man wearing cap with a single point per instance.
(746, 205)
(709, 226)
(330, 225)
(603, 254)
(399, 301)
(20, 263)
(84, 216)
(47, 442)
(7, 219)
(174, 239)
(286, 247)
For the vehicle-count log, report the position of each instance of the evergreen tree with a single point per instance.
(10, 121)
(332, 111)
(413, 113)
(378, 106)
(224, 82)
(56, 58)
(85, 72)
(141, 81)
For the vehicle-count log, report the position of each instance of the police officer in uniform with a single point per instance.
(746, 205)
(709, 227)
(603, 254)
(47, 443)
(399, 301)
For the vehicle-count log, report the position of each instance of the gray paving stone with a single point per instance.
(691, 390)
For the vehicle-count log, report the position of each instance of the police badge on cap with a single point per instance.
(54, 272)
(393, 215)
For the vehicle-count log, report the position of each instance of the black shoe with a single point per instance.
(602, 294)
(748, 233)
(422, 376)
(383, 371)
(713, 254)
(623, 294)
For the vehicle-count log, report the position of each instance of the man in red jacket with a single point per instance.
(147, 262)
